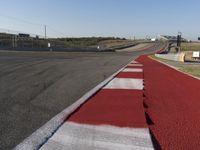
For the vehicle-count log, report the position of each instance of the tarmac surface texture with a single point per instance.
(35, 86)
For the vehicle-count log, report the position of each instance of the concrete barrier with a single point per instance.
(175, 57)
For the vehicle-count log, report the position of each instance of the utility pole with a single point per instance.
(45, 31)
(179, 39)
(45, 40)
(13, 41)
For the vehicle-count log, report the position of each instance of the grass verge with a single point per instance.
(195, 46)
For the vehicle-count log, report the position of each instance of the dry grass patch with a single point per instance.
(190, 46)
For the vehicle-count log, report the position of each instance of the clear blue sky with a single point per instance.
(122, 18)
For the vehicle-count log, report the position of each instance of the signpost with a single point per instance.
(49, 46)
(196, 55)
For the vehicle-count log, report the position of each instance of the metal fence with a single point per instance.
(19, 41)
(13, 39)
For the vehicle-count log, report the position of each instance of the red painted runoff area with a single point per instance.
(173, 101)
(136, 75)
(123, 108)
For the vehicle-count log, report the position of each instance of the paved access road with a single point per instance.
(35, 86)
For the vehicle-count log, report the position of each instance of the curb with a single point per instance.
(41, 135)
(113, 118)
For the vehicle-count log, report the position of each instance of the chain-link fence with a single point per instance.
(15, 41)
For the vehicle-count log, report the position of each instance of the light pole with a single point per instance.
(179, 39)
(45, 32)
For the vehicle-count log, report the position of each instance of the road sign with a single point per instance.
(49, 45)
(196, 54)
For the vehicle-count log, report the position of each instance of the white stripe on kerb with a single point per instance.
(73, 136)
(135, 65)
(132, 70)
(125, 83)
(134, 62)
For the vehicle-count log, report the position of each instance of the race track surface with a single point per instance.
(35, 86)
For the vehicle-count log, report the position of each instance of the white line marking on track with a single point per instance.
(135, 65)
(132, 70)
(134, 62)
(125, 83)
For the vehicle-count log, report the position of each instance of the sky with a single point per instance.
(113, 18)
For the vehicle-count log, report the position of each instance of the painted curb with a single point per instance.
(41, 135)
(96, 124)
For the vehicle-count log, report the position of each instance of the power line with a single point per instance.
(17, 32)
(21, 20)
(35, 24)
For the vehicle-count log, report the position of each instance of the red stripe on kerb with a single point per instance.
(123, 108)
(137, 75)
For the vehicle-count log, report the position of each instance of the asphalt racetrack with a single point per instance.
(35, 86)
